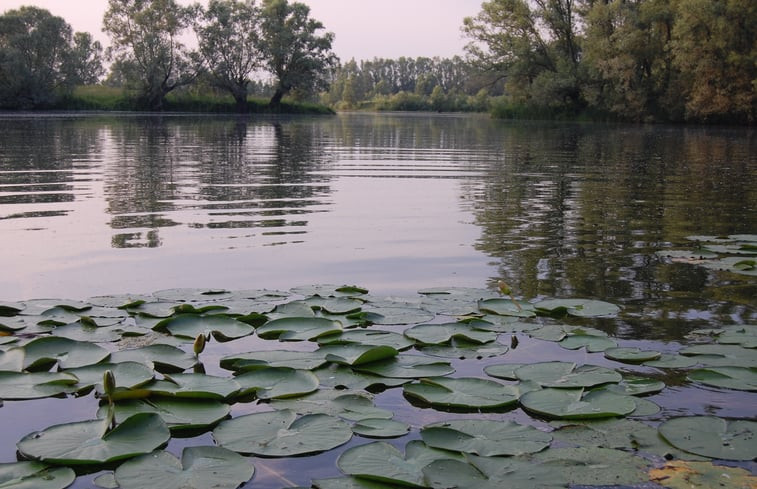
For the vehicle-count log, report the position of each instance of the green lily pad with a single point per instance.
(191, 294)
(468, 393)
(722, 355)
(671, 360)
(503, 370)
(577, 404)
(592, 343)
(349, 483)
(335, 306)
(397, 315)
(298, 328)
(712, 437)
(329, 290)
(507, 307)
(79, 331)
(354, 354)
(636, 386)
(577, 307)
(277, 382)
(434, 334)
(337, 376)
(491, 473)
(11, 308)
(163, 358)
(485, 437)
(121, 301)
(178, 414)
(407, 367)
(351, 406)
(12, 360)
(380, 428)
(195, 386)
(199, 468)
(369, 337)
(462, 349)
(223, 328)
(383, 462)
(745, 336)
(631, 355)
(35, 475)
(567, 374)
(593, 466)
(89, 442)
(41, 353)
(273, 358)
(127, 375)
(36, 385)
(738, 378)
(282, 433)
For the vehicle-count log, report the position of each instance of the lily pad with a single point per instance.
(468, 393)
(380, 428)
(351, 406)
(41, 353)
(337, 376)
(397, 315)
(178, 414)
(35, 475)
(407, 367)
(434, 334)
(592, 343)
(685, 475)
(369, 337)
(195, 386)
(636, 386)
(595, 466)
(383, 462)
(722, 355)
(670, 360)
(36, 385)
(738, 378)
(199, 468)
(89, 442)
(298, 329)
(354, 354)
(164, 358)
(223, 328)
(577, 404)
(485, 437)
(491, 473)
(567, 374)
(282, 433)
(273, 358)
(507, 307)
(712, 437)
(127, 375)
(631, 355)
(277, 382)
(577, 307)
(462, 350)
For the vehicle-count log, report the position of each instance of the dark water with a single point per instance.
(92, 205)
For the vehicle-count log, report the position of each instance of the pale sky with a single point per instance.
(364, 29)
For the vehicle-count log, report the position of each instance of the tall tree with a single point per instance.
(229, 38)
(34, 47)
(295, 53)
(85, 61)
(145, 42)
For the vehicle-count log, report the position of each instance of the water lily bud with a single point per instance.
(504, 288)
(109, 383)
(199, 344)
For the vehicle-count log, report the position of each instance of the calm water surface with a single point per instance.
(103, 204)
(93, 205)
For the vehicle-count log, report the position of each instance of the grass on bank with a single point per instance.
(98, 97)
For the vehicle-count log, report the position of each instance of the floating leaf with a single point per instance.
(507, 307)
(382, 462)
(351, 406)
(336, 306)
(491, 473)
(35, 475)
(194, 385)
(685, 475)
(433, 334)
(503, 370)
(592, 343)
(329, 290)
(631, 355)
(178, 414)
(577, 307)
(36, 385)
(369, 337)
(199, 468)
(669, 360)
(397, 315)
(298, 328)
(739, 378)
(341, 377)
(576, 404)
(354, 354)
(462, 350)
(722, 355)
(380, 428)
(282, 434)
(277, 382)
(636, 386)
(595, 466)
(485, 437)
(164, 358)
(712, 437)
(88, 442)
(468, 393)
(223, 328)
(128, 375)
(273, 358)
(349, 483)
(567, 375)
(407, 367)
(40, 353)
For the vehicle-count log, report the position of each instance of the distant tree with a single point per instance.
(85, 62)
(34, 48)
(145, 37)
(293, 51)
(229, 43)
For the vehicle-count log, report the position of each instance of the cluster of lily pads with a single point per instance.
(734, 253)
(310, 364)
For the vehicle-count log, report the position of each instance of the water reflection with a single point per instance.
(394, 202)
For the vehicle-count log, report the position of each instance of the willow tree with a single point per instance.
(229, 36)
(294, 51)
(146, 45)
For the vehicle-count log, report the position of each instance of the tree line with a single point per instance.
(41, 59)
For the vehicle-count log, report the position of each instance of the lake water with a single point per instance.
(101, 204)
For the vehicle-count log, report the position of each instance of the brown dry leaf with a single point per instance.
(702, 475)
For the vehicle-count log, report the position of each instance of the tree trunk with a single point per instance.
(276, 99)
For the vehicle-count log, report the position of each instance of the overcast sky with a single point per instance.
(364, 29)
